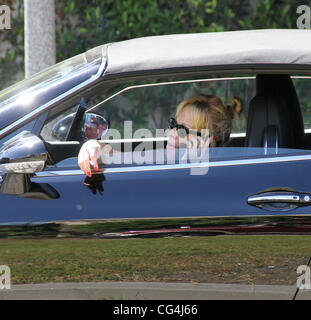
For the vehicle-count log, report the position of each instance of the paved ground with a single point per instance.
(150, 291)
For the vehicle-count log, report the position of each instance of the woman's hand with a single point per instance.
(189, 141)
(195, 142)
(89, 153)
(175, 141)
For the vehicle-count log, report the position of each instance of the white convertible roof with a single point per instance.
(231, 49)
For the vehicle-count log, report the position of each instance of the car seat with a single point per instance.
(274, 116)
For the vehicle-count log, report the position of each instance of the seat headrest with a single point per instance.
(275, 106)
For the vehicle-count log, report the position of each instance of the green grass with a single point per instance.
(227, 259)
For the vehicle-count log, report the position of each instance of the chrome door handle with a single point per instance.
(279, 200)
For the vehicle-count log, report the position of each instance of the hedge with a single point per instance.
(83, 24)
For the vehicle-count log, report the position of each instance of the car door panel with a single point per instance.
(223, 191)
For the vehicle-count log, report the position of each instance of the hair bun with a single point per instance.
(235, 107)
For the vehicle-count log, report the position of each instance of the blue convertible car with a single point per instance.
(260, 181)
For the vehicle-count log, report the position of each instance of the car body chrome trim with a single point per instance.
(274, 198)
(163, 139)
(223, 163)
(145, 85)
(62, 142)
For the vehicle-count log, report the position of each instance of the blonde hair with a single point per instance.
(208, 112)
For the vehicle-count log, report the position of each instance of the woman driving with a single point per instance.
(200, 122)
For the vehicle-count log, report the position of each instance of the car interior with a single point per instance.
(273, 120)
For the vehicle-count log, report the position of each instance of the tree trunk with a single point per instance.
(40, 50)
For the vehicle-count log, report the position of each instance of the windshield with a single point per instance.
(50, 75)
(20, 100)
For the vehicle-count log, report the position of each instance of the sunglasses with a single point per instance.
(182, 131)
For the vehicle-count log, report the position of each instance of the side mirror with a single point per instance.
(24, 153)
(19, 157)
(93, 126)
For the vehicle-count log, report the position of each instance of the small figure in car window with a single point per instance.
(200, 122)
